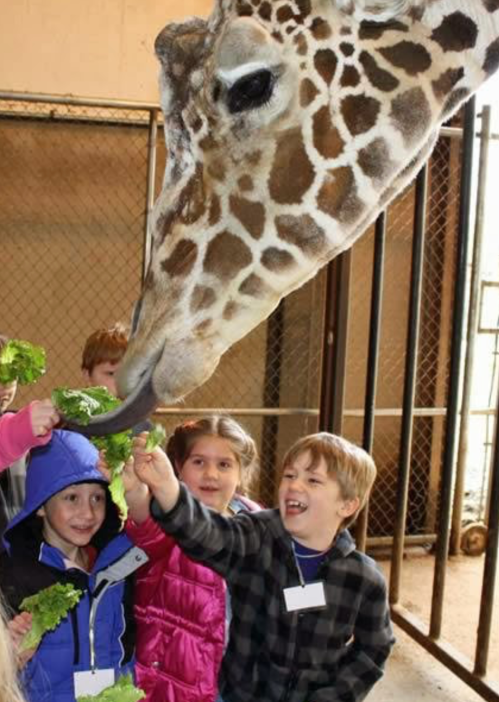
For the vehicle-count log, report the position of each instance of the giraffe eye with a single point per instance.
(251, 91)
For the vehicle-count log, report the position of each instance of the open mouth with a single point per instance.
(294, 507)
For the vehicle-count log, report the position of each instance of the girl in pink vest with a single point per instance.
(181, 607)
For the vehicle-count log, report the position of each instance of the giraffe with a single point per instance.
(289, 124)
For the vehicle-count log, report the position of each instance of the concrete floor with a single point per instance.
(412, 674)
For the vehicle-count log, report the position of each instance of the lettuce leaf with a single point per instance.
(48, 607)
(21, 361)
(156, 437)
(80, 406)
(123, 690)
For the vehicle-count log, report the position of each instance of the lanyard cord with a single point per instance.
(298, 568)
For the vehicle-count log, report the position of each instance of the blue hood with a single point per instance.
(67, 459)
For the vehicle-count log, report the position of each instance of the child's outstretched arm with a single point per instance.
(155, 470)
(26, 429)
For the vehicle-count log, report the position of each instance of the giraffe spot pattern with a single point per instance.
(292, 173)
(347, 49)
(265, 11)
(250, 214)
(410, 57)
(245, 183)
(327, 139)
(378, 77)
(491, 62)
(375, 161)
(202, 298)
(350, 77)
(277, 259)
(254, 157)
(226, 255)
(284, 14)
(215, 211)
(192, 198)
(230, 310)
(491, 5)
(182, 260)
(446, 82)
(203, 327)
(375, 30)
(253, 285)
(360, 113)
(457, 32)
(304, 8)
(243, 9)
(325, 63)
(303, 232)
(411, 114)
(338, 195)
(320, 29)
(301, 44)
(216, 168)
(308, 92)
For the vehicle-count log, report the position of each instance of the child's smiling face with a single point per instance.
(311, 504)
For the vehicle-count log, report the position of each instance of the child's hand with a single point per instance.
(44, 417)
(130, 480)
(155, 470)
(136, 493)
(18, 628)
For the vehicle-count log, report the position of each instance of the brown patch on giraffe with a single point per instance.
(304, 8)
(226, 255)
(216, 168)
(491, 62)
(278, 37)
(193, 198)
(182, 260)
(375, 161)
(202, 298)
(338, 195)
(325, 63)
(308, 92)
(345, 31)
(250, 214)
(265, 11)
(284, 14)
(301, 44)
(243, 9)
(446, 81)
(277, 260)
(491, 5)
(378, 77)
(202, 327)
(215, 210)
(196, 124)
(327, 139)
(347, 49)
(245, 183)
(411, 114)
(320, 29)
(375, 30)
(254, 286)
(230, 311)
(456, 32)
(360, 113)
(208, 143)
(410, 57)
(303, 232)
(292, 172)
(416, 13)
(350, 77)
(254, 157)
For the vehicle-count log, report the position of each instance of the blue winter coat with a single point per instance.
(98, 632)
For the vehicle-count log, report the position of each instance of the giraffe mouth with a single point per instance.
(135, 408)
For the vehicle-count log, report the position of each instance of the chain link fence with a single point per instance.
(73, 209)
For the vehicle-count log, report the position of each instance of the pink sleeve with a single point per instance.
(150, 537)
(16, 436)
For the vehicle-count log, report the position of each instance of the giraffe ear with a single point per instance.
(377, 10)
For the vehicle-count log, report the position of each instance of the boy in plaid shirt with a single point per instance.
(310, 618)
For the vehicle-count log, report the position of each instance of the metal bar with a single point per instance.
(410, 372)
(372, 360)
(150, 186)
(241, 411)
(445, 653)
(473, 313)
(490, 568)
(334, 373)
(80, 101)
(455, 373)
(409, 540)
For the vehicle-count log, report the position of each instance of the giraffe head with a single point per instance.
(289, 125)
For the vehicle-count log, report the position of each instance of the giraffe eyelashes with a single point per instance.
(251, 91)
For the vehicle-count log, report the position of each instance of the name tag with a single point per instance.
(92, 682)
(309, 596)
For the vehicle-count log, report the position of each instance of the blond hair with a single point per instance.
(243, 447)
(351, 466)
(9, 687)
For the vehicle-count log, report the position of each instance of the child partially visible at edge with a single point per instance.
(310, 613)
(182, 607)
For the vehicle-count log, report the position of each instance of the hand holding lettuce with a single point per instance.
(22, 362)
(48, 607)
(123, 690)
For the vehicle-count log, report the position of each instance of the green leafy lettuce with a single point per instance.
(123, 690)
(156, 437)
(21, 361)
(80, 406)
(48, 607)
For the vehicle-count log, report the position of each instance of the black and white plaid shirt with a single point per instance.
(334, 654)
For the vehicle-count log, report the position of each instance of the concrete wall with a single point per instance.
(86, 48)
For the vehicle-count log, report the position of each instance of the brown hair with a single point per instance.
(350, 465)
(182, 441)
(104, 346)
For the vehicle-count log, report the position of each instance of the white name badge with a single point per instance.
(92, 682)
(309, 596)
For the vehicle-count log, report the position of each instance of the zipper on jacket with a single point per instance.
(76, 636)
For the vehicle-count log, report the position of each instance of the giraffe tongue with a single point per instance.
(135, 408)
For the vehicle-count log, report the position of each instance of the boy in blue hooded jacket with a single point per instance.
(68, 532)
